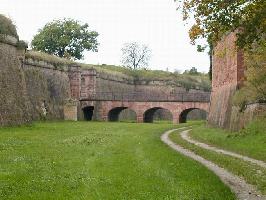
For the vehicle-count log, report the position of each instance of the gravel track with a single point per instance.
(186, 137)
(243, 190)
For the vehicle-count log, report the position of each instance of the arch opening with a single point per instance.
(157, 114)
(88, 113)
(127, 115)
(122, 114)
(192, 114)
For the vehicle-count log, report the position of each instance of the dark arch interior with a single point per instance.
(88, 113)
(192, 114)
(113, 115)
(127, 115)
(157, 113)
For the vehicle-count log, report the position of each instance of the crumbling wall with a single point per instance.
(14, 103)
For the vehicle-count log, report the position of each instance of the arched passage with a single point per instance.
(127, 115)
(157, 113)
(121, 114)
(88, 112)
(192, 114)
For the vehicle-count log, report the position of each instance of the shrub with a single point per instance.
(254, 89)
(7, 27)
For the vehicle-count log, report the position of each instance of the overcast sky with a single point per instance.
(152, 22)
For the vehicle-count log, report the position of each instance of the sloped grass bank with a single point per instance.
(250, 141)
(68, 160)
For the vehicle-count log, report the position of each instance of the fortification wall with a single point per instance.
(228, 76)
(108, 83)
(36, 87)
(48, 88)
(14, 103)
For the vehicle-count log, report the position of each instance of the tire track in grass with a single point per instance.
(184, 135)
(243, 190)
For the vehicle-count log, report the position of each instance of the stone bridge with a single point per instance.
(104, 98)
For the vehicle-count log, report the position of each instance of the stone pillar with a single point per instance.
(176, 119)
(140, 118)
(74, 74)
(88, 84)
(71, 110)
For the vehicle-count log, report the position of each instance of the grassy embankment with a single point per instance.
(250, 141)
(68, 160)
(200, 81)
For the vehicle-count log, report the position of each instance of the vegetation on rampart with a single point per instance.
(254, 89)
(7, 27)
(188, 81)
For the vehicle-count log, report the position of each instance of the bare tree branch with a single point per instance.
(135, 56)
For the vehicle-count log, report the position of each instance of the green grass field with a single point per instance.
(246, 142)
(81, 160)
(250, 141)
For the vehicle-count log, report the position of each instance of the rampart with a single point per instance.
(227, 77)
(33, 88)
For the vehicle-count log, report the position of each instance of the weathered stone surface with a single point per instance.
(71, 110)
(35, 90)
(14, 102)
(48, 86)
(228, 75)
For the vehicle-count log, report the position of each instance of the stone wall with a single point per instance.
(30, 89)
(36, 88)
(14, 102)
(228, 76)
(47, 88)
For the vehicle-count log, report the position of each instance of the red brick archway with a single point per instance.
(109, 110)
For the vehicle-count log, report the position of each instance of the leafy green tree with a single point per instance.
(65, 38)
(213, 18)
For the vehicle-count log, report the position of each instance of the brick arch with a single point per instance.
(113, 113)
(149, 114)
(183, 114)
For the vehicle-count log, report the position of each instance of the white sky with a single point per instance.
(152, 22)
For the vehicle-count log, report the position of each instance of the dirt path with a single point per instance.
(186, 137)
(242, 190)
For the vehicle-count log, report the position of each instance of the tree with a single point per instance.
(65, 38)
(213, 18)
(192, 71)
(135, 56)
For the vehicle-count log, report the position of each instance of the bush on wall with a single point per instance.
(7, 27)
(254, 89)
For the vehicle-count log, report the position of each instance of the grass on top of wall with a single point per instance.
(40, 56)
(95, 160)
(187, 81)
